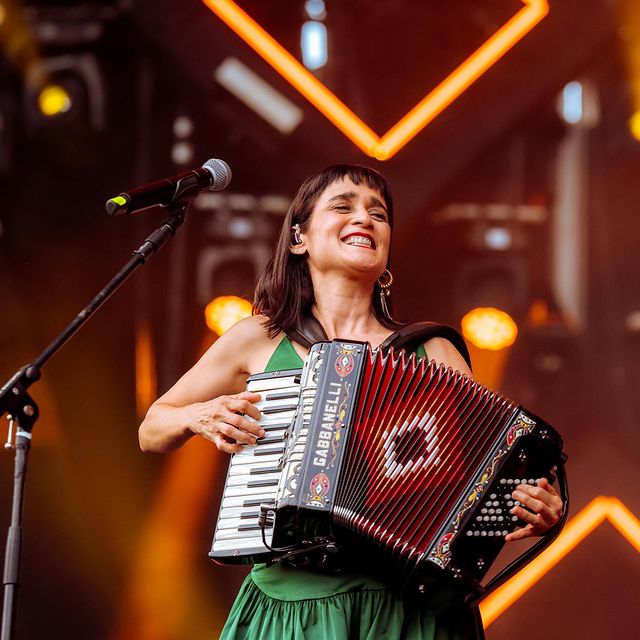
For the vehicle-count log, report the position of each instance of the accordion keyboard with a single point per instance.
(254, 472)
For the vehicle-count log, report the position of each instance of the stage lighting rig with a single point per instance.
(59, 89)
(64, 81)
(494, 284)
(236, 242)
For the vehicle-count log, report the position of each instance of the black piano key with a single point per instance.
(250, 515)
(282, 395)
(269, 440)
(255, 472)
(253, 527)
(281, 409)
(253, 502)
(262, 483)
(276, 426)
(268, 452)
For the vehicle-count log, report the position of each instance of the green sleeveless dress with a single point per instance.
(279, 603)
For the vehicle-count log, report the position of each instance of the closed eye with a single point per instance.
(379, 215)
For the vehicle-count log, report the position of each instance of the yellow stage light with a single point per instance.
(53, 100)
(489, 328)
(223, 312)
(420, 116)
(576, 530)
(634, 125)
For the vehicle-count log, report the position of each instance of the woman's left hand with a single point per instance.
(543, 509)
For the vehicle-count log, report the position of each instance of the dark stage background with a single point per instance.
(116, 541)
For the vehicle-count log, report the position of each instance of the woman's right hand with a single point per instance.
(221, 420)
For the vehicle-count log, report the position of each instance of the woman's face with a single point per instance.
(349, 230)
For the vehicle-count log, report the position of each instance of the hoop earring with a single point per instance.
(297, 237)
(384, 282)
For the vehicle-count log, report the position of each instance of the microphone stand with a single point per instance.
(22, 412)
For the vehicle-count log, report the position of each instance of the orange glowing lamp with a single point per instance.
(489, 328)
(223, 312)
(420, 116)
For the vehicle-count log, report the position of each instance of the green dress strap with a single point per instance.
(286, 357)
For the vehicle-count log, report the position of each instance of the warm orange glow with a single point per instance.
(158, 598)
(576, 530)
(488, 365)
(223, 312)
(420, 116)
(489, 328)
(629, 15)
(538, 313)
(634, 125)
(146, 379)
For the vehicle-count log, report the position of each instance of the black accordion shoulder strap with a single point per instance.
(408, 337)
(412, 335)
(308, 332)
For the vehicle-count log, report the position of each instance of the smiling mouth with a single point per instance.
(360, 241)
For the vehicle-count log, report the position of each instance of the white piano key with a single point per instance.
(245, 479)
(233, 534)
(234, 522)
(249, 458)
(251, 450)
(264, 386)
(240, 501)
(265, 403)
(249, 491)
(240, 469)
(236, 512)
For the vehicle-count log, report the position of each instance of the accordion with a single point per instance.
(401, 464)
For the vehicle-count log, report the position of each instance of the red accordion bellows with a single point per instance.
(421, 437)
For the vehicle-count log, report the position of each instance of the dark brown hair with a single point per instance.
(284, 292)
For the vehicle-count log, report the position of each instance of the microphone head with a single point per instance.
(221, 173)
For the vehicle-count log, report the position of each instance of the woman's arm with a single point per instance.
(208, 400)
(443, 352)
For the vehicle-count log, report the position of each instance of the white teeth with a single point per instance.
(359, 240)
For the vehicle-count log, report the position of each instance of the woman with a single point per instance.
(329, 264)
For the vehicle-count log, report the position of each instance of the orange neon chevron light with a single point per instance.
(576, 530)
(420, 116)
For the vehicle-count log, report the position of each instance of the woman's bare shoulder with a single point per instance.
(443, 352)
(225, 365)
(249, 338)
(253, 324)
